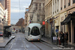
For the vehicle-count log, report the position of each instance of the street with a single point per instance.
(20, 43)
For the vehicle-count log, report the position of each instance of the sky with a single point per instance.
(18, 9)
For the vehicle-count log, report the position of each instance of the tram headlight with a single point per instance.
(38, 39)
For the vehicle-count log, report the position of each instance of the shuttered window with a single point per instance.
(73, 1)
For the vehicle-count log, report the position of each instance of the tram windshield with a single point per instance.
(35, 31)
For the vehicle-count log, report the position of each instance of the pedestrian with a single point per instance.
(66, 38)
(62, 38)
(9, 34)
(59, 42)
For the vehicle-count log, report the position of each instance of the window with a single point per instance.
(61, 8)
(38, 19)
(37, 15)
(64, 3)
(43, 4)
(68, 2)
(53, 12)
(73, 1)
(36, 6)
(35, 31)
(28, 31)
(57, 10)
(61, 4)
(64, 6)
(39, 6)
(55, 1)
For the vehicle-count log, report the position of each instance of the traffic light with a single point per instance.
(43, 22)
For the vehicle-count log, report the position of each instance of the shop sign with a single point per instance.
(51, 21)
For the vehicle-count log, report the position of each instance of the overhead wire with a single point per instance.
(19, 7)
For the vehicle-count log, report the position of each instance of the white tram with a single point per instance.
(32, 32)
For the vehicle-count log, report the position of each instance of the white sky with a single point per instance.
(18, 9)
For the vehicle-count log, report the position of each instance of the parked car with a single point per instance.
(1, 33)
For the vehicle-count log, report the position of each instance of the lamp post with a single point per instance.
(51, 22)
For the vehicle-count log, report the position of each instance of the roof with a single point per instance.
(34, 24)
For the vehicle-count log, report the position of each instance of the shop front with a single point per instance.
(70, 22)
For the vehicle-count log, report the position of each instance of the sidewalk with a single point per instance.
(5, 41)
(48, 40)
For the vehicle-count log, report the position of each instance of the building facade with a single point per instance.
(55, 15)
(48, 15)
(5, 17)
(8, 2)
(20, 22)
(3, 3)
(1, 17)
(36, 11)
(64, 17)
(66, 9)
(26, 16)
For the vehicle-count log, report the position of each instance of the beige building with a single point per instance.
(64, 17)
(48, 15)
(30, 13)
(26, 16)
(36, 11)
(55, 14)
(68, 8)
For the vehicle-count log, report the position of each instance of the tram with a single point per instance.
(32, 32)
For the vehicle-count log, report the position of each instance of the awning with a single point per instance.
(68, 18)
(7, 26)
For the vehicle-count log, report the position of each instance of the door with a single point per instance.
(74, 34)
(69, 26)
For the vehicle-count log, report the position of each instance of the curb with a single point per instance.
(7, 42)
(48, 43)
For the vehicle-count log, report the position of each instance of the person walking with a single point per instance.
(59, 42)
(9, 34)
(62, 38)
(66, 38)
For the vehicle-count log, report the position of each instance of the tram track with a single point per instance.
(42, 42)
(37, 46)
